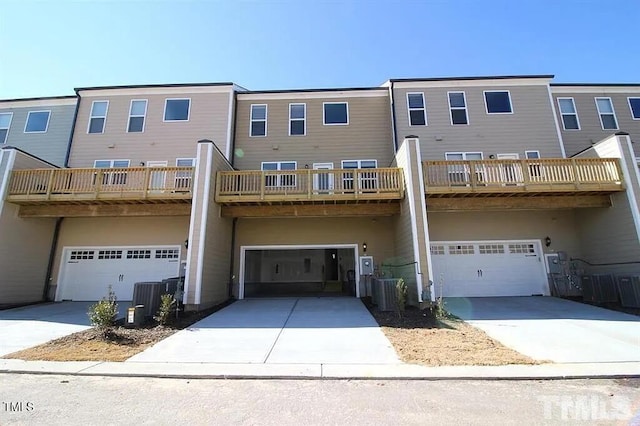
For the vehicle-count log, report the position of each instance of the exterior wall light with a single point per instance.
(364, 247)
(547, 241)
(186, 243)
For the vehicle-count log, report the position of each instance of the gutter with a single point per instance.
(52, 255)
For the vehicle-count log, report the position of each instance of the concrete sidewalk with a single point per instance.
(322, 371)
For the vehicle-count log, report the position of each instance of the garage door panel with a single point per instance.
(88, 272)
(488, 269)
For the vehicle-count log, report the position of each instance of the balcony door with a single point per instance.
(323, 182)
(118, 177)
(459, 174)
(510, 171)
(157, 179)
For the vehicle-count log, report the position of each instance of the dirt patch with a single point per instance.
(116, 344)
(420, 338)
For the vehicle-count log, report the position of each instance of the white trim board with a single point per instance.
(332, 96)
(455, 83)
(243, 249)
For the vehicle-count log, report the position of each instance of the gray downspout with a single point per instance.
(393, 118)
(73, 129)
(233, 132)
(52, 255)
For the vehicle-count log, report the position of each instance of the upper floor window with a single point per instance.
(258, 120)
(498, 102)
(458, 108)
(359, 164)
(569, 114)
(335, 113)
(297, 119)
(99, 164)
(37, 122)
(5, 123)
(177, 109)
(607, 114)
(137, 113)
(634, 105)
(417, 109)
(98, 116)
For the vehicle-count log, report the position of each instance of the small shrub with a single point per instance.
(438, 310)
(103, 314)
(166, 306)
(401, 297)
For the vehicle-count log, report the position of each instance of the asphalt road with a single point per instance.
(71, 400)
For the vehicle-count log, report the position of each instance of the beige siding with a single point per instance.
(610, 235)
(120, 231)
(160, 141)
(217, 242)
(530, 127)
(368, 135)
(590, 128)
(559, 225)
(377, 232)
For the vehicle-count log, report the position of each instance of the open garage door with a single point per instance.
(87, 272)
(488, 268)
(298, 271)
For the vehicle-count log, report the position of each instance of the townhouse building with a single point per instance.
(466, 187)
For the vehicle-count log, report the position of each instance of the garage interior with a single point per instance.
(299, 272)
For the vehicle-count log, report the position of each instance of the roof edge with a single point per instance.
(42, 98)
(153, 86)
(488, 77)
(596, 84)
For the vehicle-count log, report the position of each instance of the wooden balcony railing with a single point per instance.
(255, 186)
(130, 183)
(525, 176)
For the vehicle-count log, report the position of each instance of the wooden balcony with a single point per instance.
(530, 177)
(309, 186)
(131, 185)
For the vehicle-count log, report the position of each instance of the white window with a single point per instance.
(297, 119)
(258, 121)
(112, 178)
(37, 122)
(498, 102)
(608, 119)
(532, 155)
(458, 108)
(279, 180)
(5, 123)
(335, 113)
(184, 177)
(98, 116)
(569, 114)
(177, 109)
(137, 114)
(366, 181)
(634, 106)
(460, 173)
(417, 109)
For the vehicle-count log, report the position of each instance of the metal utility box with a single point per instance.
(148, 294)
(629, 291)
(366, 265)
(135, 316)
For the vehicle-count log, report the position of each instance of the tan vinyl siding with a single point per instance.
(160, 141)
(559, 225)
(368, 135)
(530, 127)
(217, 244)
(377, 232)
(50, 145)
(591, 130)
(120, 231)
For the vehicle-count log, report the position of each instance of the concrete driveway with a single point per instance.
(558, 330)
(22, 328)
(325, 330)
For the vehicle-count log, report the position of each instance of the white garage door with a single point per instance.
(87, 272)
(488, 268)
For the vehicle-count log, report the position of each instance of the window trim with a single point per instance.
(451, 108)
(304, 120)
(631, 109)
(359, 163)
(562, 114)
(26, 123)
(613, 112)
(193, 161)
(424, 109)
(464, 154)
(266, 121)
(526, 154)
(280, 176)
(486, 105)
(144, 116)
(324, 116)
(91, 116)
(6, 137)
(112, 161)
(164, 113)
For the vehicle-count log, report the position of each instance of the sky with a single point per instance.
(51, 47)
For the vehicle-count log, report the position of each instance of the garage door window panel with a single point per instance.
(139, 254)
(109, 254)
